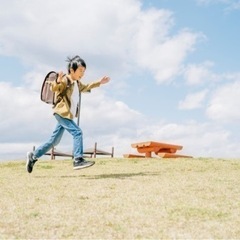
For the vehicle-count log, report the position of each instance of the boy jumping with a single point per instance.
(65, 110)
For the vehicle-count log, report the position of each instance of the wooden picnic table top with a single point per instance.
(155, 144)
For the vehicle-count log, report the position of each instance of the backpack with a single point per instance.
(47, 95)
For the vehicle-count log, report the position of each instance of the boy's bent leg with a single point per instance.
(75, 131)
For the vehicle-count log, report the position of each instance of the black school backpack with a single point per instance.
(47, 95)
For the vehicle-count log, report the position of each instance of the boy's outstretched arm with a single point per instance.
(88, 87)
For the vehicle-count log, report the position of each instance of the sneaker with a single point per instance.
(30, 162)
(82, 163)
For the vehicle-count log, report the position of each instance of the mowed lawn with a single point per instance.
(121, 199)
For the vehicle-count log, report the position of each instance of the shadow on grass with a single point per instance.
(121, 175)
(106, 176)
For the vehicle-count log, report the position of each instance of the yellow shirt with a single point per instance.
(63, 106)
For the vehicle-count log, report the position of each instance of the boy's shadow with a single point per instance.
(105, 176)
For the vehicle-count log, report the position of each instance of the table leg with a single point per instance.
(148, 154)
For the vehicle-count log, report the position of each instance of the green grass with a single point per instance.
(121, 199)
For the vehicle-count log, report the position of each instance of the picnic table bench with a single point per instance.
(173, 155)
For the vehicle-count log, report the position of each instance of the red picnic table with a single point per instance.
(164, 150)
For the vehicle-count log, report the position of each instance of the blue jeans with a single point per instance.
(72, 128)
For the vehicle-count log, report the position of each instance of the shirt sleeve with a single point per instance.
(88, 87)
(59, 87)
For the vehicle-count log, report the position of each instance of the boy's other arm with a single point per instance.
(59, 84)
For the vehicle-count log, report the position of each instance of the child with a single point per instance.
(67, 88)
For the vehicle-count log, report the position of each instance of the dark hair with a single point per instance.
(75, 62)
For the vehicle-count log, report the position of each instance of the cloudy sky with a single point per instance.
(174, 68)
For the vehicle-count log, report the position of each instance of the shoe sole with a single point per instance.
(84, 166)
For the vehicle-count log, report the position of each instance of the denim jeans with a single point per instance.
(72, 128)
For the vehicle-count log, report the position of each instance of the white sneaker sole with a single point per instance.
(84, 166)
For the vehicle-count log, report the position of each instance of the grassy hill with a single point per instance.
(121, 199)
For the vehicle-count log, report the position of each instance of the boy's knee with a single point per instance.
(78, 133)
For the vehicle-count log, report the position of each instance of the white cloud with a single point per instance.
(193, 100)
(104, 114)
(196, 74)
(22, 113)
(230, 4)
(166, 60)
(202, 74)
(159, 51)
(225, 103)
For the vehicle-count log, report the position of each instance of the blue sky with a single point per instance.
(174, 68)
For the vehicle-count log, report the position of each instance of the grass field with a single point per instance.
(121, 199)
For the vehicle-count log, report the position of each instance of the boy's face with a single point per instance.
(78, 74)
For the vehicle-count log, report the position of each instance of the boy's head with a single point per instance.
(76, 67)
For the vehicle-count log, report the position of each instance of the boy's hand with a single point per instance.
(60, 77)
(104, 80)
